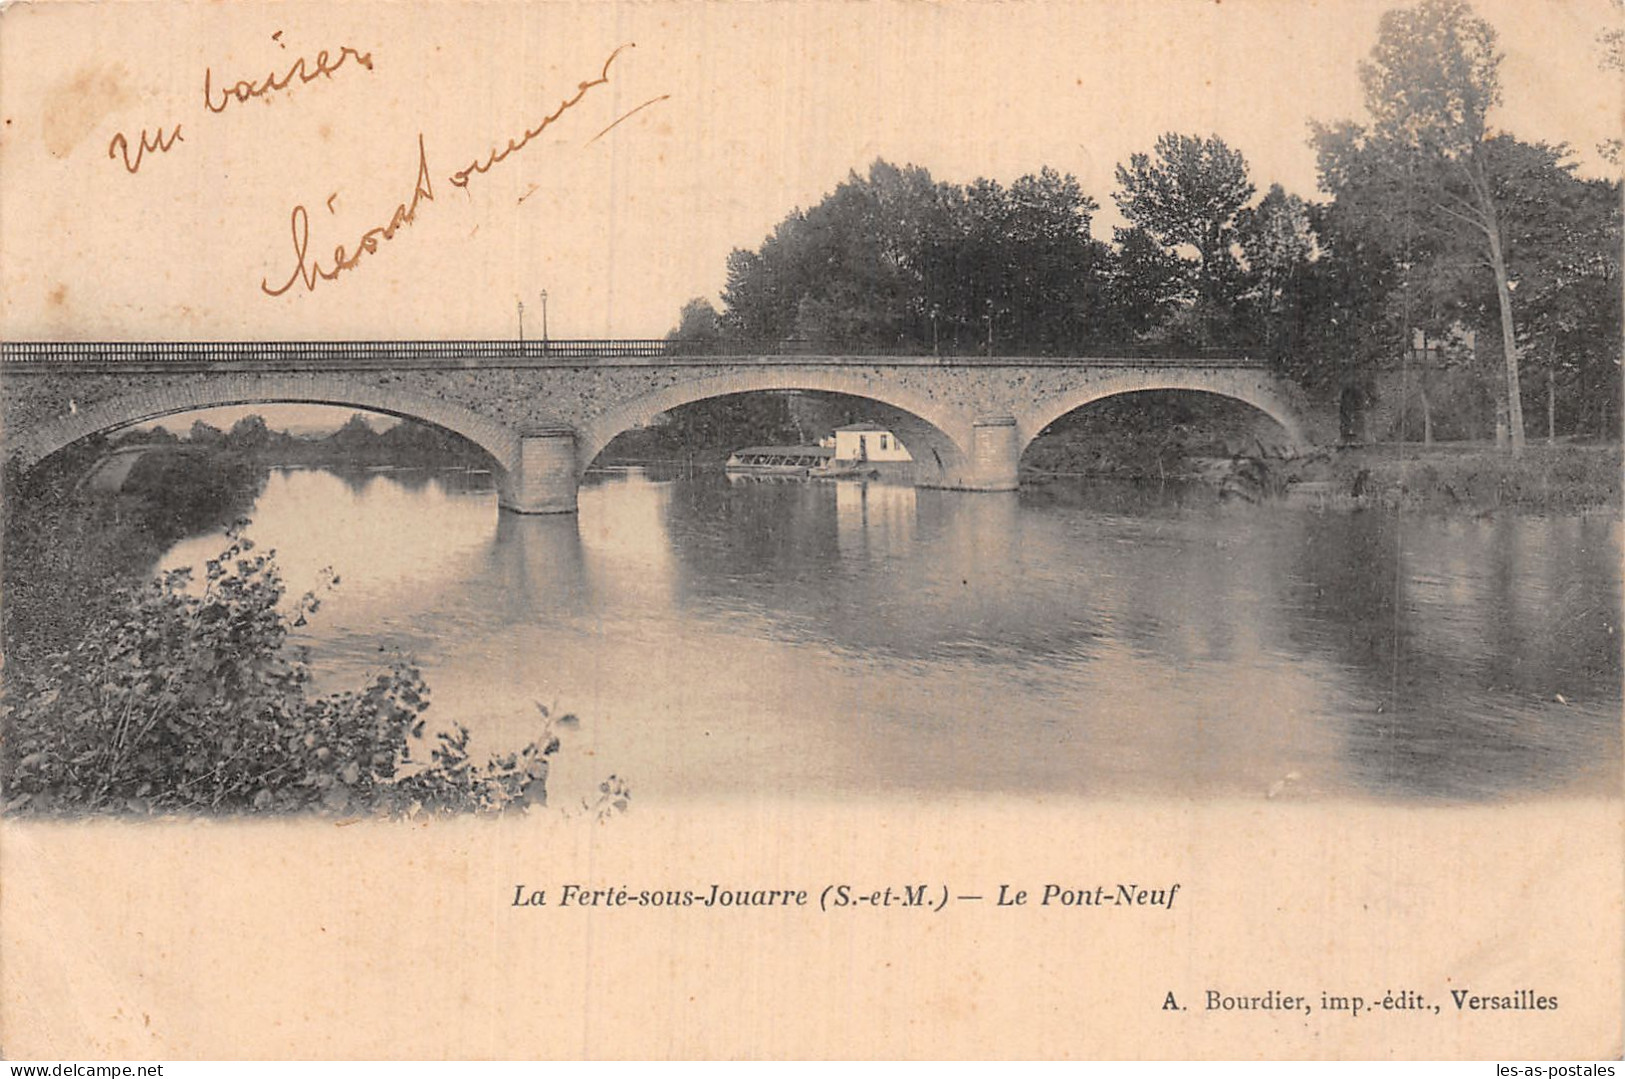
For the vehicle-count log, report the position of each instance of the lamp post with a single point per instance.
(544, 320)
(521, 304)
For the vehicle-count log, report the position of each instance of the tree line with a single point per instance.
(1435, 241)
(354, 443)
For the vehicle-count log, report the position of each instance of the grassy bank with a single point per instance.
(1447, 477)
(1472, 477)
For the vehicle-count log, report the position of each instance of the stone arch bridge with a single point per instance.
(544, 410)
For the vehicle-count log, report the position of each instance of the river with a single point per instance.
(843, 640)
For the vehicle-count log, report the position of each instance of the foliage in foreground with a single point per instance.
(178, 701)
(68, 544)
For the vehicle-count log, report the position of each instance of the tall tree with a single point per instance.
(1566, 262)
(699, 329)
(1611, 43)
(1332, 312)
(1144, 284)
(1278, 243)
(765, 286)
(896, 261)
(1429, 85)
(1052, 262)
(1188, 197)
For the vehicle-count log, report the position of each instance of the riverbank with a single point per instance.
(1473, 477)
(1564, 477)
(69, 541)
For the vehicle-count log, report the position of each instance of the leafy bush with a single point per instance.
(67, 544)
(180, 701)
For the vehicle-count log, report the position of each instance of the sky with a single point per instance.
(720, 119)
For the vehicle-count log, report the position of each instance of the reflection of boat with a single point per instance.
(740, 478)
(780, 461)
(847, 472)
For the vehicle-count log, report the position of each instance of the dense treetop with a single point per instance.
(1429, 222)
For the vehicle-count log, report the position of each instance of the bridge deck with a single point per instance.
(366, 355)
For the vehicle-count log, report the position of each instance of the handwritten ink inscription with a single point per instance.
(627, 115)
(461, 176)
(308, 268)
(309, 272)
(322, 66)
(157, 143)
(245, 91)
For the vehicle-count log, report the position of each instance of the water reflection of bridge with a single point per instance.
(544, 411)
(874, 520)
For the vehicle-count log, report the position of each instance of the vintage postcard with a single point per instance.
(811, 529)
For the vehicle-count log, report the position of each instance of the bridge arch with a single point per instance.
(190, 394)
(937, 435)
(1251, 386)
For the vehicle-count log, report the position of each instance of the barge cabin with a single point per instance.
(780, 460)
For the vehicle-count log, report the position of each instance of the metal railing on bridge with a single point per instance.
(475, 353)
(238, 351)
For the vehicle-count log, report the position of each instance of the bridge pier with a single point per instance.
(544, 479)
(995, 455)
